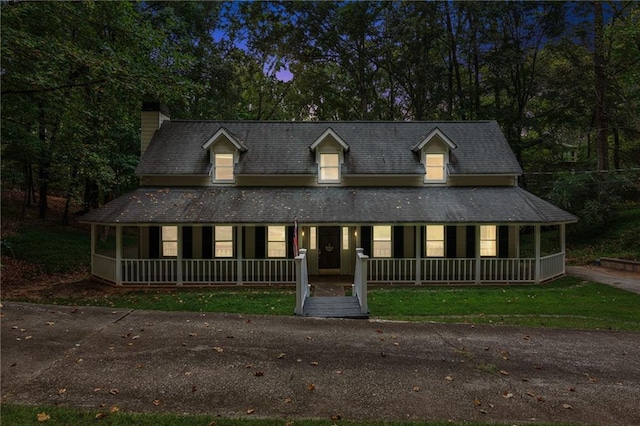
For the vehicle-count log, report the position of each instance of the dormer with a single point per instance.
(224, 153)
(434, 155)
(329, 149)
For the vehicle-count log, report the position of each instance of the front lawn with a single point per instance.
(565, 303)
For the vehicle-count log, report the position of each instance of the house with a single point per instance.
(230, 202)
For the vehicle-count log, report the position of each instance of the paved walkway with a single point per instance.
(290, 368)
(629, 281)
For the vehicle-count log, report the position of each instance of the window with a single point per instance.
(312, 238)
(434, 167)
(345, 238)
(277, 241)
(329, 168)
(435, 240)
(169, 241)
(382, 241)
(488, 237)
(223, 167)
(223, 241)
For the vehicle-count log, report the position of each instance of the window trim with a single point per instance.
(321, 167)
(279, 242)
(215, 167)
(217, 240)
(164, 240)
(443, 168)
(443, 240)
(389, 241)
(493, 240)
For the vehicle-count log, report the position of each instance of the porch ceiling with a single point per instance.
(329, 205)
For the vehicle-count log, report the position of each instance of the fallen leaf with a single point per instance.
(43, 417)
(572, 389)
(396, 344)
(259, 373)
(449, 378)
(218, 349)
(50, 322)
(101, 415)
(567, 406)
(280, 355)
(314, 363)
(336, 417)
(194, 388)
(526, 337)
(540, 398)
(378, 330)
(311, 387)
(136, 337)
(416, 389)
(338, 371)
(477, 402)
(251, 410)
(483, 411)
(28, 337)
(531, 394)
(507, 395)
(192, 334)
(213, 423)
(288, 400)
(114, 409)
(156, 402)
(504, 373)
(62, 391)
(113, 391)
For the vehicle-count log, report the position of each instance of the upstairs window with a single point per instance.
(223, 167)
(381, 241)
(223, 244)
(329, 167)
(434, 167)
(169, 241)
(276, 241)
(435, 240)
(488, 240)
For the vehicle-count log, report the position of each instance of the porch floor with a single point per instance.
(333, 307)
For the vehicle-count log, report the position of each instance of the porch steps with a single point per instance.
(333, 307)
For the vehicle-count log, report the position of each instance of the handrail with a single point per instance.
(302, 281)
(360, 280)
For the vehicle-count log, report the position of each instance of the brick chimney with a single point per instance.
(153, 114)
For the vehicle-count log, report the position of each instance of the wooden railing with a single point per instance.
(391, 270)
(104, 267)
(551, 266)
(302, 281)
(149, 271)
(507, 270)
(360, 279)
(268, 271)
(205, 271)
(448, 270)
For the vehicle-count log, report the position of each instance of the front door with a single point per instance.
(329, 249)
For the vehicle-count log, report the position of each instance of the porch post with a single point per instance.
(536, 243)
(418, 240)
(517, 240)
(239, 243)
(179, 277)
(478, 279)
(563, 245)
(118, 255)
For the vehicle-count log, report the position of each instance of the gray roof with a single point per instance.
(337, 205)
(376, 147)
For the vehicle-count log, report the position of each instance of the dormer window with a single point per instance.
(223, 167)
(434, 164)
(329, 167)
(434, 155)
(330, 150)
(224, 150)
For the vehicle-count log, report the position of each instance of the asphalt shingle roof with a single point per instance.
(337, 205)
(283, 147)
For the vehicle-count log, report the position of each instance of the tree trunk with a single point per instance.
(600, 90)
(616, 148)
(43, 164)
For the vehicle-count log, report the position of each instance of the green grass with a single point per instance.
(565, 303)
(27, 415)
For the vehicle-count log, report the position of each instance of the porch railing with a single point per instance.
(395, 270)
(269, 271)
(551, 266)
(302, 281)
(149, 271)
(201, 271)
(360, 279)
(448, 270)
(104, 267)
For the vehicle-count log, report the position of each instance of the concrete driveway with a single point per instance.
(289, 368)
(625, 280)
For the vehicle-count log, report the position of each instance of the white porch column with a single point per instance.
(478, 279)
(563, 245)
(517, 240)
(418, 240)
(536, 244)
(239, 249)
(179, 278)
(118, 254)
